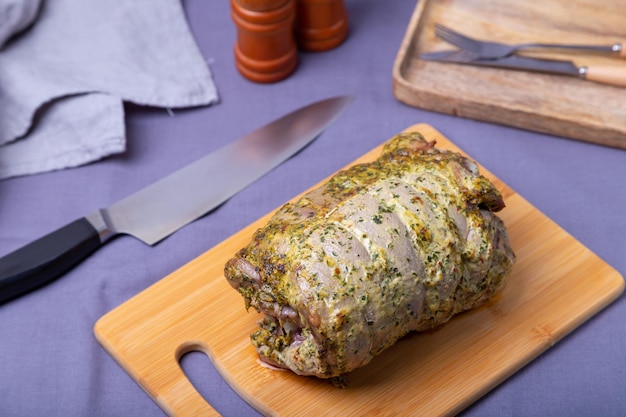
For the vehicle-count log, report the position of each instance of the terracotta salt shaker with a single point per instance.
(320, 24)
(266, 49)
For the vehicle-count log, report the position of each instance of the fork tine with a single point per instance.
(450, 38)
(460, 55)
(456, 38)
(464, 55)
(449, 32)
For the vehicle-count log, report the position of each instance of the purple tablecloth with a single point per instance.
(50, 362)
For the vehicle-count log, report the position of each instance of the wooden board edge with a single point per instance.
(617, 289)
(429, 99)
(100, 328)
(407, 43)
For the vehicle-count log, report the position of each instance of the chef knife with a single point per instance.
(156, 211)
(606, 74)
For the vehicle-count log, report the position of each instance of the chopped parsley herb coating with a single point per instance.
(384, 248)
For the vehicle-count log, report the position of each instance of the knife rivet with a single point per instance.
(582, 72)
(617, 47)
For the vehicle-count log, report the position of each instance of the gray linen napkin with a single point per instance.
(63, 79)
(15, 16)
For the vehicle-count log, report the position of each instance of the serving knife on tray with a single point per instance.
(158, 210)
(605, 74)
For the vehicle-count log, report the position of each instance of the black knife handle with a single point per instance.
(47, 258)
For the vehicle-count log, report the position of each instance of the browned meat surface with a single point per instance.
(382, 249)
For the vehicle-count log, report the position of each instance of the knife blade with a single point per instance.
(156, 211)
(606, 74)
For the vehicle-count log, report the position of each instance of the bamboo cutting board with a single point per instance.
(554, 104)
(555, 286)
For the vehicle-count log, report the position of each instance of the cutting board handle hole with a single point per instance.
(199, 370)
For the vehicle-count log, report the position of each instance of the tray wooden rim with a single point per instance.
(483, 108)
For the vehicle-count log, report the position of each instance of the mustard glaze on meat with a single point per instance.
(397, 245)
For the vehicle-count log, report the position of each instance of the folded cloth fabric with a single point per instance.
(63, 80)
(15, 16)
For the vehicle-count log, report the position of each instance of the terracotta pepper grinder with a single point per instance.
(320, 24)
(266, 49)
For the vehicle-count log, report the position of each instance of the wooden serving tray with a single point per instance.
(555, 286)
(555, 104)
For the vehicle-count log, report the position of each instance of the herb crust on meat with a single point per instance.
(384, 248)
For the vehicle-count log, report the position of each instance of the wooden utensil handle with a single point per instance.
(607, 74)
